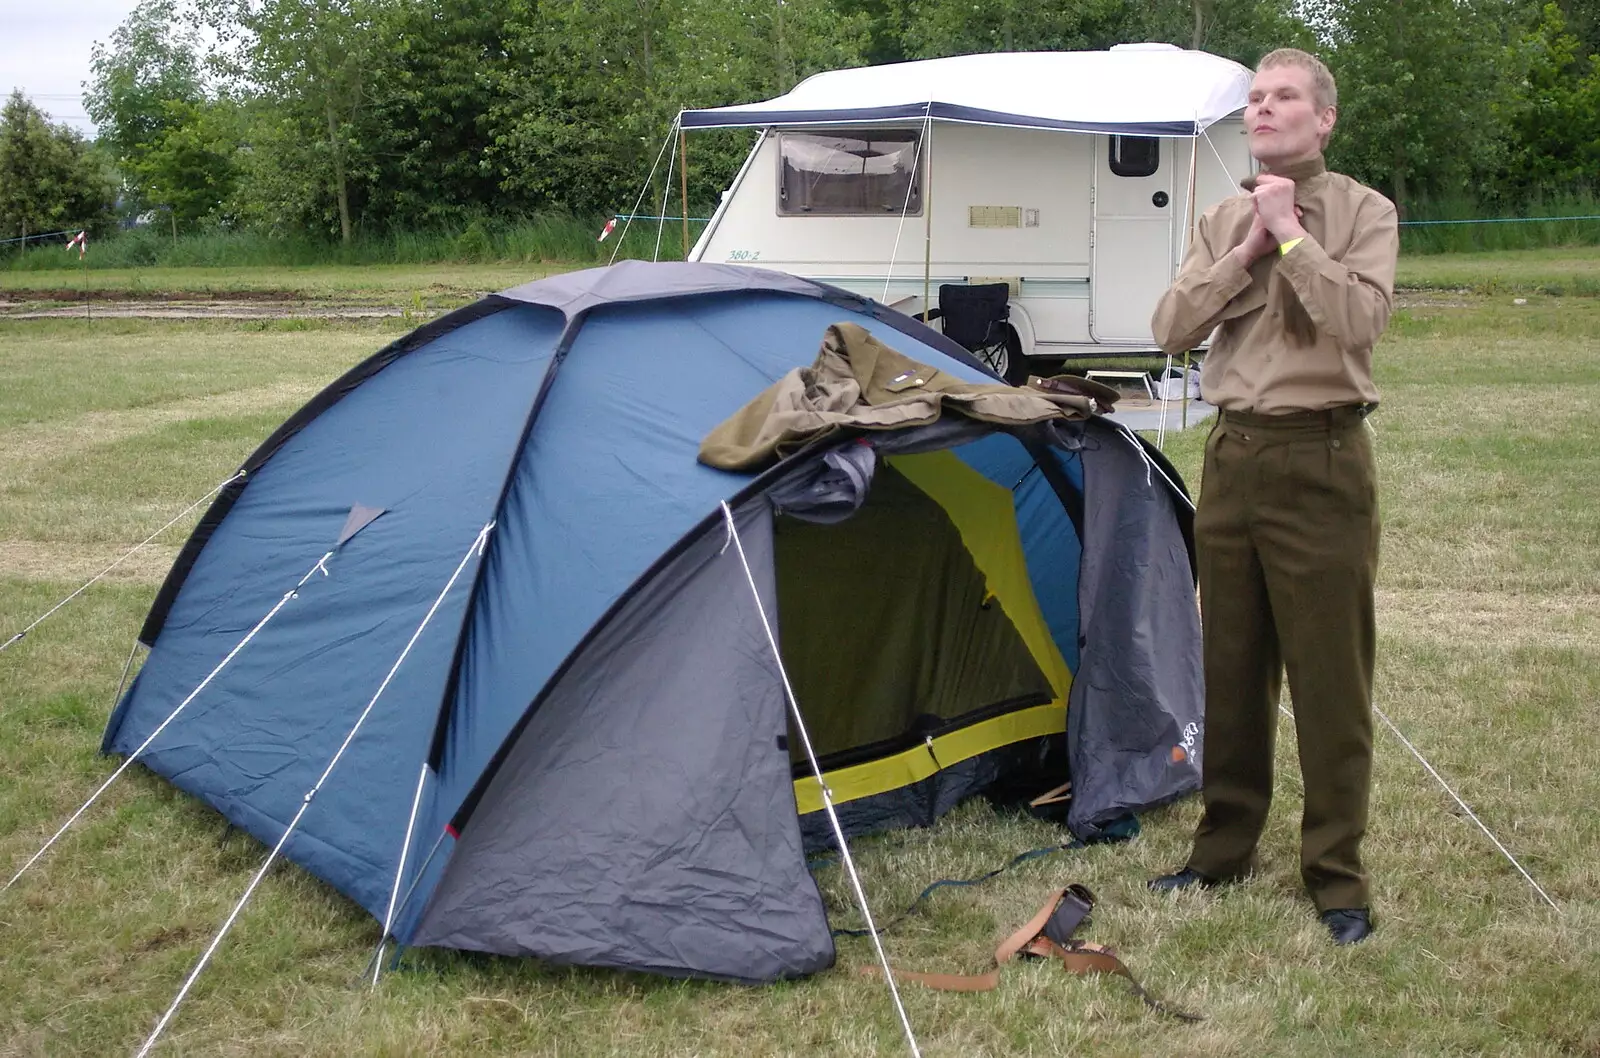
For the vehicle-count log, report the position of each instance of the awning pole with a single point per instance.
(683, 176)
(927, 220)
(1188, 241)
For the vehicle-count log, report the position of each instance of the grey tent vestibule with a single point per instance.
(608, 774)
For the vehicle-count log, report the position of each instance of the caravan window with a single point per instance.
(849, 173)
(1135, 155)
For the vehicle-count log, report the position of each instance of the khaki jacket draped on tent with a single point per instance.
(858, 383)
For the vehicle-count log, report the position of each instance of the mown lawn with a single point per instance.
(1574, 270)
(1489, 661)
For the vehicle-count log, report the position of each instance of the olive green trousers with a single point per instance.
(1287, 541)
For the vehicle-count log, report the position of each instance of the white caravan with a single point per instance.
(1072, 177)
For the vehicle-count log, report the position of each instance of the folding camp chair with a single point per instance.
(975, 318)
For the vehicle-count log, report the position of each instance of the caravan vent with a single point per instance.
(994, 216)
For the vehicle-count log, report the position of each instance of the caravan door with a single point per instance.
(1131, 246)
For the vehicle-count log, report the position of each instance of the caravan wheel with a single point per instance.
(1007, 359)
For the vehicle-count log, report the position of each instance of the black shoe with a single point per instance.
(1350, 925)
(1187, 878)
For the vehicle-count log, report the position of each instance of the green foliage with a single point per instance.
(546, 238)
(49, 179)
(597, 84)
(428, 133)
(954, 27)
(308, 62)
(473, 244)
(1525, 232)
(190, 168)
(1424, 86)
(146, 87)
(358, 118)
(1555, 121)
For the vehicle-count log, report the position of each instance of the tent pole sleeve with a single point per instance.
(126, 668)
(476, 549)
(405, 901)
(125, 556)
(827, 796)
(399, 874)
(126, 764)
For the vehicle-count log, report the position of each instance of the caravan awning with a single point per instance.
(1133, 89)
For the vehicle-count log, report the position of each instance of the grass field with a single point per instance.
(1570, 270)
(1489, 661)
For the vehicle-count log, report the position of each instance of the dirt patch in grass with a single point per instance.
(166, 937)
(75, 294)
(26, 450)
(186, 307)
(63, 562)
(1491, 618)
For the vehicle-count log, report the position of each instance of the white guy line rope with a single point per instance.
(136, 548)
(305, 802)
(916, 171)
(1151, 464)
(1218, 155)
(640, 200)
(126, 764)
(816, 769)
(1470, 813)
(666, 193)
(1464, 806)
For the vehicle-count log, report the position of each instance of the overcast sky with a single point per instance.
(44, 50)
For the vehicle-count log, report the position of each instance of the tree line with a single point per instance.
(332, 117)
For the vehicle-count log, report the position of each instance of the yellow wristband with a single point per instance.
(1291, 244)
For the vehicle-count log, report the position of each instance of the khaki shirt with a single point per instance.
(1297, 329)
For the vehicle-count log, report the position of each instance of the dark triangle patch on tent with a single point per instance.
(644, 816)
(358, 519)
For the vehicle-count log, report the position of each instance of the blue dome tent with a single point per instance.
(581, 746)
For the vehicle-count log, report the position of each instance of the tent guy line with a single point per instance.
(1464, 807)
(292, 593)
(1415, 752)
(476, 549)
(482, 545)
(129, 554)
(643, 189)
(816, 768)
(905, 208)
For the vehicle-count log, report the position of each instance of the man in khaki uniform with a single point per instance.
(1297, 276)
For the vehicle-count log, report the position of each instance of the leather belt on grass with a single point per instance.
(1048, 934)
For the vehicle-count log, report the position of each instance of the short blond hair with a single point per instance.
(1327, 93)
